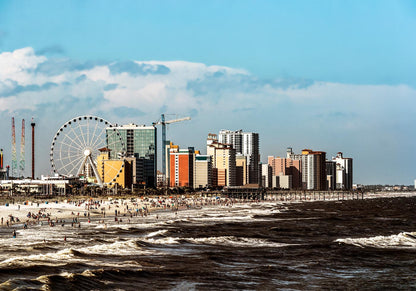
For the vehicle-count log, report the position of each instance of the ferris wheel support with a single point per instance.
(76, 147)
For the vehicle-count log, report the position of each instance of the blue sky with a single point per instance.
(327, 75)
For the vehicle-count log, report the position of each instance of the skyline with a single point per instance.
(328, 76)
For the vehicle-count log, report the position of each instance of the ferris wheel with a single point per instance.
(85, 146)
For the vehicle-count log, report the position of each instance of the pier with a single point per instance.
(291, 195)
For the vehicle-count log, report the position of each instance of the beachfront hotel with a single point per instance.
(246, 144)
(181, 167)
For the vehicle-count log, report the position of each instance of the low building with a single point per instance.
(285, 181)
(331, 167)
(47, 185)
(115, 171)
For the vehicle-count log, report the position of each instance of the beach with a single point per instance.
(64, 212)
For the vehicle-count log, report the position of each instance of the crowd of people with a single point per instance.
(57, 213)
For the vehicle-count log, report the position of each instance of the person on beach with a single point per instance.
(14, 233)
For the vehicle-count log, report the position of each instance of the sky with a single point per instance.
(326, 75)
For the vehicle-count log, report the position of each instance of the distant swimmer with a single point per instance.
(14, 233)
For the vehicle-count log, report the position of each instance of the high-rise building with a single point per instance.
(181, 167)
(223, 161)
(247, 144)
(343, 172)
(140, 143)
(202, 171)
(313, 170)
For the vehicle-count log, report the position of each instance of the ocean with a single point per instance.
(345, 245)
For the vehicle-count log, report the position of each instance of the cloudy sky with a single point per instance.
(327, 75)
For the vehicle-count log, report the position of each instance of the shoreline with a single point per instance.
(82, 209)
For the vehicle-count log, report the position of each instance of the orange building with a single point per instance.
(181, 167)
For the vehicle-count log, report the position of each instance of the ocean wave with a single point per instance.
(162, 241)
(236, 242)
(156, 233)
(396, 241)
(59, 258)
(122, 247)
(77, 255)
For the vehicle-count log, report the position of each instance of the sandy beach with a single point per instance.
(95, 210)
(24, 214)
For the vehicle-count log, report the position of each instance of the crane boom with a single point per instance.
(177, 120)
(163, 123)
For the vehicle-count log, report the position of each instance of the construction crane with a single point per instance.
(163, 122)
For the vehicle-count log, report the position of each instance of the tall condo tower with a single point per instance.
(22, 161)
(246, 144)
(33, 148)
(14, 156)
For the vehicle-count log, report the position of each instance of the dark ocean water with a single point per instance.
(345, 245)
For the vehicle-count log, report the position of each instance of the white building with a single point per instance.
(266, 176)
(247, 144)
(344, 178)
(285, 182)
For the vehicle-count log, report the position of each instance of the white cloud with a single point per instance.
(181, 86)
(17, 64)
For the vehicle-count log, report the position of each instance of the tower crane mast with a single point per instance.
(163, 122)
